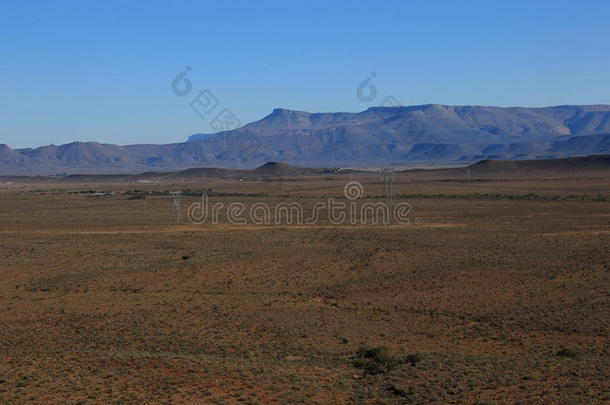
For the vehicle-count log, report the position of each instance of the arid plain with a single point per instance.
(496, 292)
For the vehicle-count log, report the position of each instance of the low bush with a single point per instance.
(138, 196)
(413, 359)
(567, 353)
(375, 360)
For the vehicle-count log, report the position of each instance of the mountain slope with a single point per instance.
(79, 154)
(417, 135)
(10, 158)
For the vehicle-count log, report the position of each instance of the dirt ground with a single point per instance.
(484, 297)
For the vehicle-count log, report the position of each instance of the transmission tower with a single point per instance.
(176, 212)
(387, 177)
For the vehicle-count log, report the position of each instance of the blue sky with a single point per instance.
(102, 70)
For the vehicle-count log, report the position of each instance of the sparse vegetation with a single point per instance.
(509, 197)
(375, 360)
(567, 353)
(413, 359)
(137, 196)
(488, 301)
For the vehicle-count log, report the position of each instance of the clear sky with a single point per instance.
(102, 70)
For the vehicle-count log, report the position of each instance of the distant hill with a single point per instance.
(268, 170)
(11, 158)
(416, 135)
(597, 165)
(574, 164)
(79, 154)
(283, 169)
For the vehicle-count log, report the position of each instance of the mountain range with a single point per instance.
(407, 136)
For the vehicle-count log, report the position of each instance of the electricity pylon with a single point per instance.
(387, 177)
(176, 212)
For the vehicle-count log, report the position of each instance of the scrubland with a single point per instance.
(480, 300)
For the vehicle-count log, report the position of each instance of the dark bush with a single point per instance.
(567, 353)
(413, 359)
(138, 196)
(375, 360)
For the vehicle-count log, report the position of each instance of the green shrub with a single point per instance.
(375, 360)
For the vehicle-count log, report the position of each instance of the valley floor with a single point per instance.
(480, 299)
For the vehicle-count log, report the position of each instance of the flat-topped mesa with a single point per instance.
(426, 135)
(281, 118)
(286, 111)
